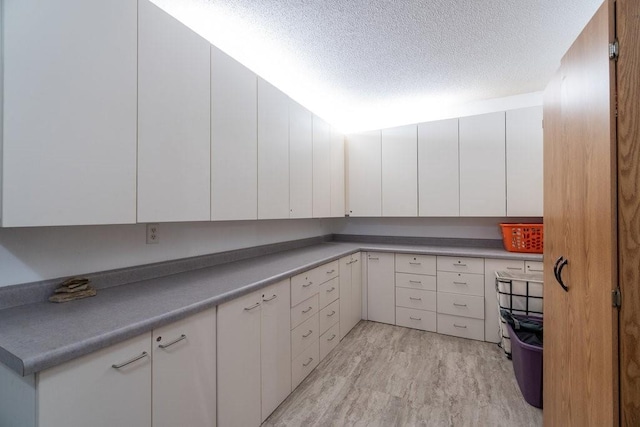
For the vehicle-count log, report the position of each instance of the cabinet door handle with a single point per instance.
(332, 313)
(460, 326)
(459, 283)
(270, 299)
(129, 362)
(308, 362)
(333, 288)
(177, 340)
(415, 299)
(307, 334)
(514, 268)
(563, 262)
(332, 337)
(331, 271)
(373, 258)
(416, 281)
(459, 305)
(459, 265)
(415, 318)
(355, 260)
(307, 285)
(256, 305)
(307, 310)
(415, 263)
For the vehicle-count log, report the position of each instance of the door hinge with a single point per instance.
(616, 298)
(614, 50)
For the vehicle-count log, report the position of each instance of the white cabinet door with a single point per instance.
(239, 379)
(275, 346)
(174, 163)
(438, 179)
(482, 165)
(381, 304)
(90, 391)
(321, 168)
(273, 152)
(400, 171)
(364, 174)
(184, 364)
(491, 310)
(356, 289)
(345, 295)
(234, 139)
(337, 174)
(300, 161)
(524, 162)
(70, 99)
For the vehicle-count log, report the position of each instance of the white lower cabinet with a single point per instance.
(464, 327)
(350, 292)
(304, 364)
(415, 290)
(416, 319)
(381, 306)
(329, 340)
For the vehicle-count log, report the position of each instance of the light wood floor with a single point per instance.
(383, 375)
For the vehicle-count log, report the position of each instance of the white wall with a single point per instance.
(32, 254)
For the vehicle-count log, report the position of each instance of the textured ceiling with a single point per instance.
(375, 63)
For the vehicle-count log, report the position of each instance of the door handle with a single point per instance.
(559, 265)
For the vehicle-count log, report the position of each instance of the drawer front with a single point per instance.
(303, 286)
(326, 272)
(461, 283)
(461, 305)
(461, 264)
(416, 281)
(534, 267)
(416, 264)
(329, 292)
(304, 335)
(329, 316)
(415, 298)
(304, 311)
(416, 319)
(461, 327)
(329, 340)
(302, 365)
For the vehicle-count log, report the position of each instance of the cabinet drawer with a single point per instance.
(329, 316)
(303, 311)
(415, 298)
(303, 286)
(304, 364)
(461, 264)
(326, 272)
(534, 267)
(416, 281)
(304, 335)
(417, 264)
(329, 292)
(461, 305)
(329, 340)
(461, 283)
(461, 326)
(416, 319)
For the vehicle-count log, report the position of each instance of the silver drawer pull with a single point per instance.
(373, 258)
(307, 285)
(355, 260)
(460, 326)
(307, 334)
(350, 262)
(307, 310)
(514, 268)
(459, 283)
(308, 362)
(536, 270)
(270, 299)
(459, 265)
(333, 288)
(332, 337)
(331, 271)
(177, 340)
(332, 313)
(459, 305)
(129, 362)
(415, 318)
(256, 305)
(415, 299)
(416, 281)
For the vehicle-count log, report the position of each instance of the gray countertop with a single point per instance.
(37, 336)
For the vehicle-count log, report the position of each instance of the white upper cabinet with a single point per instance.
(300, 161)
(174, 169)
(524, 162)
(438, 179)
(337, 174)
(321, 168)
(400, 171)
(69, 143)
(273, 152)
(364, 174)
(482, 165)
(234, 139)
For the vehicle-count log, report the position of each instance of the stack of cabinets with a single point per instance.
(315, 317)
(350, 292)
(416, 291)
(254, 355)
(461, 297)
(140, 382)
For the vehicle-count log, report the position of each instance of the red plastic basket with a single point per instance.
(523, 237)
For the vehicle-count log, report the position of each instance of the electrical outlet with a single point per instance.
(153, 235)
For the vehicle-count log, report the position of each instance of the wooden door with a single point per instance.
(580, 354)
(364, 174)
(400, 171)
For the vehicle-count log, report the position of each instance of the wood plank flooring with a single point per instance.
(384, 375)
